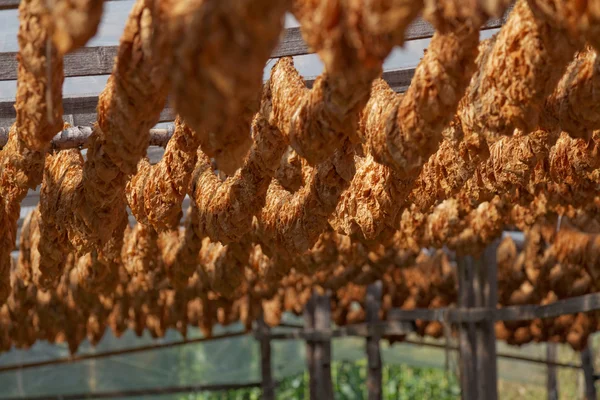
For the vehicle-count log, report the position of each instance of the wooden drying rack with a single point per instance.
(474, 317)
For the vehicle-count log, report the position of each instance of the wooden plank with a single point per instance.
(14, 4)
(9, 4)
(466, 331)
(268, 388)
(551, 381)
(374, 372)
(309, 323)
(291, 44)
(86, 61)
(587, 364)
(89, 61)
(381, 328)
(421, 29)
(585, 303)
(322, 353)
(82, 108)
(487, 296)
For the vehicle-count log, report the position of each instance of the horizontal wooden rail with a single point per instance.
(382, 328)
(90, 61)
(386, 328)
(84, 62)
(501, 355)
(585, 303)
(14, 4)
(80, 110)
(9, 4)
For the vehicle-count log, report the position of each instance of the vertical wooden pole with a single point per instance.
(551, 381)
(486, 296)
(309, 324)
(268, 388)
(587, 364)
(322, 351)
(374, 374)
(466, 334)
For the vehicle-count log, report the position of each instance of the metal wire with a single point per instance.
(142, 392)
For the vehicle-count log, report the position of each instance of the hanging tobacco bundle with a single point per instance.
(225, 209)
(155, 193)
(352, 42)
(573, 107)
(211, 40)
(128, 107)
(39, 118)
(73, 22)
(581, 20)
(505, 101)
(291, 223)
(402, 131)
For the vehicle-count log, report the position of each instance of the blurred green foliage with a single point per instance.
(349, 383)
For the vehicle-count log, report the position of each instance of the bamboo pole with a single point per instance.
(78, 136)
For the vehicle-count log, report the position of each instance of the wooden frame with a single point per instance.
(477, 310)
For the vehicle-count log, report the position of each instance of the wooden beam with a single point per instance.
(322, 352)
(374, 371)
(267, 385)
(291, 44)
(81, 109)
(89, 61)
(587, 364)
(466, 331)
(487, 296)
(309, 323)
(574, 305)
(14, 4)
(551, 381)
(9, 4)
(585, 303)
(86, 61)
(381, 328)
